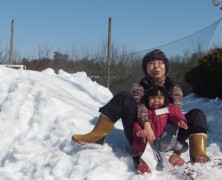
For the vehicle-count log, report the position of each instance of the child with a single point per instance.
(165, 118)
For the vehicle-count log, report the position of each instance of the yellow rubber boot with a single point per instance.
(197, 143)
(97, 135)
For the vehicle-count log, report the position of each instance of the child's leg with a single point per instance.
(168, 141)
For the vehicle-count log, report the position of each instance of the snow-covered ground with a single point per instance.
(40, 111)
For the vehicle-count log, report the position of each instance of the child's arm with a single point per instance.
(136, 127)
(176, 116)
(138, 131)
(182, 124)
(150, 135)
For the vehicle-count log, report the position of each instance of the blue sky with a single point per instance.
(137, 24)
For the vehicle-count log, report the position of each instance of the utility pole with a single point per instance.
(108, 52)
(11, 42)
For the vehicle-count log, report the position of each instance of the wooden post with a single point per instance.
(108, 52)
(11, 42)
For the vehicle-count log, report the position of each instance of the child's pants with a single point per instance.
(168, 141)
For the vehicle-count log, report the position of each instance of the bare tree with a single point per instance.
(4, 56)
(44, 51)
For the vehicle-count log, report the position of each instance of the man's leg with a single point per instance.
(197, 131)
(122, 105)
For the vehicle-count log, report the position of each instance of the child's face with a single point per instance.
(156, 100)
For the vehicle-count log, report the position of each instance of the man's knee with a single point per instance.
(196, 121)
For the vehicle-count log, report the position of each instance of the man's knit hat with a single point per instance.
(155, 54)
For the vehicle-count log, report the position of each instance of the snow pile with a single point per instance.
(40, 111)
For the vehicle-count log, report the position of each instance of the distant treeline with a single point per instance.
(125, 69)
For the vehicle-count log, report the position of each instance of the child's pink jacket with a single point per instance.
(158, 124)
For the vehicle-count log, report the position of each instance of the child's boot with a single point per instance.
(143, 167)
